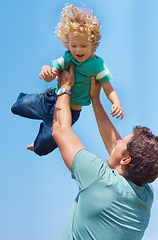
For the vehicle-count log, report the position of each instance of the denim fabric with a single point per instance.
(36, 105)
(41, 106)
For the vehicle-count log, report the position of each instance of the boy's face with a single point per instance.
(80, 48)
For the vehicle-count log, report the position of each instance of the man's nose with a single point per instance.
(118, 141)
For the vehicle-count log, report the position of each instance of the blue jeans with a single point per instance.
(41, 106)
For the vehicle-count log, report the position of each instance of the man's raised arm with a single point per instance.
(107, 130)
(68, 143)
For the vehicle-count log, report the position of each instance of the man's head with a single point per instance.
(136, 156)
(143, 150)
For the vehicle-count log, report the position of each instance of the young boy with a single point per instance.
(79, 32)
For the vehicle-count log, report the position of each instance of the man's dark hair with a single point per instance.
(143, 150)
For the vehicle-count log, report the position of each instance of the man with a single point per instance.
(112, 203)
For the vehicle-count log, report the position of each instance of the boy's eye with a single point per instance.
(73, 46)
(84, 46)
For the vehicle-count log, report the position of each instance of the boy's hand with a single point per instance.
(48, 73)
(116, 110)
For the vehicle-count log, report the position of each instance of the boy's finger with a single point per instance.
(115, 113)
(114, 109)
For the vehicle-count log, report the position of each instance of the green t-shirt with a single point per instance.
(94, 66)
(108, 206)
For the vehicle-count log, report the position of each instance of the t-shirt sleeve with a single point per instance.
(87, 168)
(59, 63)
(103, 75)
(63, 62)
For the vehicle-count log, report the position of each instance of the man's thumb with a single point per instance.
(72, 69)
(92, 81)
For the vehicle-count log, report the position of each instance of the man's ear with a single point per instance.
(125, 160)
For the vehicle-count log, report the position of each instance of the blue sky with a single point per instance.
(36, 193)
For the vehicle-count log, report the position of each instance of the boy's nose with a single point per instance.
(78, 50)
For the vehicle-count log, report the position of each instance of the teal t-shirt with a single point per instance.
(94, 66)
(108, 206)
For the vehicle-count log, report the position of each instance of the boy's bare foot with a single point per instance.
(30, 147)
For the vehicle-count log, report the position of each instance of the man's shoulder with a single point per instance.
(87, 160)
(148, 188)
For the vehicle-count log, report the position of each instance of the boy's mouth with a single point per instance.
(79, 56)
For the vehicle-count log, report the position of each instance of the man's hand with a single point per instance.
(95, 90)
(66, 79)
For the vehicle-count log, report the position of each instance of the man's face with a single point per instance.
(119, 151)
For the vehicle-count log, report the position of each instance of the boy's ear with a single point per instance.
(125, 160)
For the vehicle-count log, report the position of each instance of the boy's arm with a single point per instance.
(48, 73)
(68, 143)
(107, 130)
(111, 94)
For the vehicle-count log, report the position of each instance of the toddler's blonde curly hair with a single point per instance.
(79, 21)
